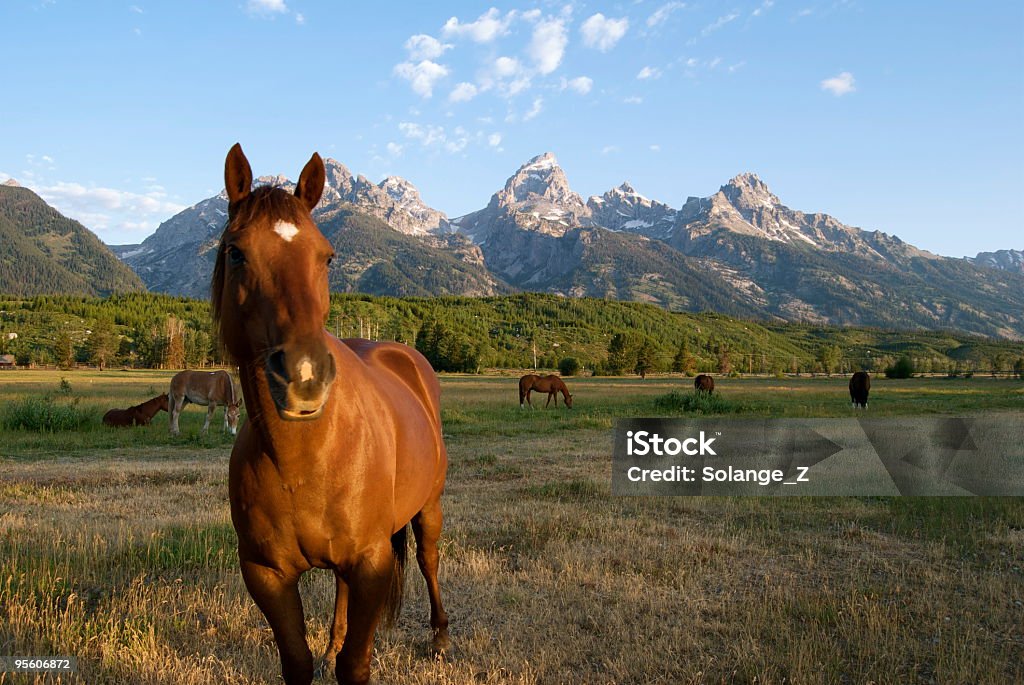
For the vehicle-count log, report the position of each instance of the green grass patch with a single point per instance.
(683, 402)
(46, 414)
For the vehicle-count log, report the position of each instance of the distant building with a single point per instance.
(7, 361)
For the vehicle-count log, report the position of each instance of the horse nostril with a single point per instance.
(276, 365)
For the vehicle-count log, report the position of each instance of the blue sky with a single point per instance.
(905, 117)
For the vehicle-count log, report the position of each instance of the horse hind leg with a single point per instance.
(426, 527)
(176, 404)
(278, 598)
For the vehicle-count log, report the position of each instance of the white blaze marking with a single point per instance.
(305, 371)
(285, 230)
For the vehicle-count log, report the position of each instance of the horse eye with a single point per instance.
(330, 260)
(235, 256)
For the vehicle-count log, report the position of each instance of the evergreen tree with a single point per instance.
(621, 354)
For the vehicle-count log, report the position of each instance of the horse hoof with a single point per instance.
(441, 645)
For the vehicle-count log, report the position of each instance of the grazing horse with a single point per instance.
(139, 415)
(343, 446)
(860, 386)
(207, 388)
(552, 385)
(704, 383)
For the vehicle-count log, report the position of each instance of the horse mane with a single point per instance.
(272, 202)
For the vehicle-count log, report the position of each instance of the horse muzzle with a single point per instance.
(300, 382)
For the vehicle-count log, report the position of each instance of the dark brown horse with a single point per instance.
(139, 415)
(860, 386)
(552, 385)
(343, 447)
(206, 388)
(704, 383)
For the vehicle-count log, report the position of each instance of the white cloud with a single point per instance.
(840, 84)
(608, 149)
(714, 63)
(506, 75)
(535, 109)
(486, 28)
(266, 7)
(766, 5)
(654, 148)
(136, 9)
(494, 140)
(662, 13)
(648, 73)
(421, 47)
(120, 215)
(603, 33)
(422, 77)
(736, 67)
(394, 149)
(633, 100)
(547, 46)
(430, 136)
(506, 66)
(300, 19)
(463, 92)
(531, 15)
(719, 23)
(581, 84)
(427, 135)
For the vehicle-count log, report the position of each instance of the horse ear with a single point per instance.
(311, 181)
(237, 176)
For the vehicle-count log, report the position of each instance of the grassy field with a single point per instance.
(116, 546)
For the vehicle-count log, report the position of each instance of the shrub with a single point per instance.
(45, 415)
(694, 403)
(570, 366)
(903, 368)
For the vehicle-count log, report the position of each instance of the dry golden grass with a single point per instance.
(124, 557)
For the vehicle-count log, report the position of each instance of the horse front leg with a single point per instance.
(340, 622)
(368, 582)
(209, 415)
(426, 527)
(277, 596)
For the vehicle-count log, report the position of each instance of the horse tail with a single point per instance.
(393, 603)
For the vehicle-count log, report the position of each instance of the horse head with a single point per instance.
(232, 413)
(162, 403)
(269, 291)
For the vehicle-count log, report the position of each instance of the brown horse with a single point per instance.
(552, 385)
(860, 385)
(139, 415)
(704, 383)
(343, 446)
(207, 388)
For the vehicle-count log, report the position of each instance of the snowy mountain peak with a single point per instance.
(747, 189)
(541, 181)
(400, 190)
(11, 183)
(541, 162)
(626, 190)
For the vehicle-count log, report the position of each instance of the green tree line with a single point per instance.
(468, 334)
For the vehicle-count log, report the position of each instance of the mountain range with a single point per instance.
(739, 251)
